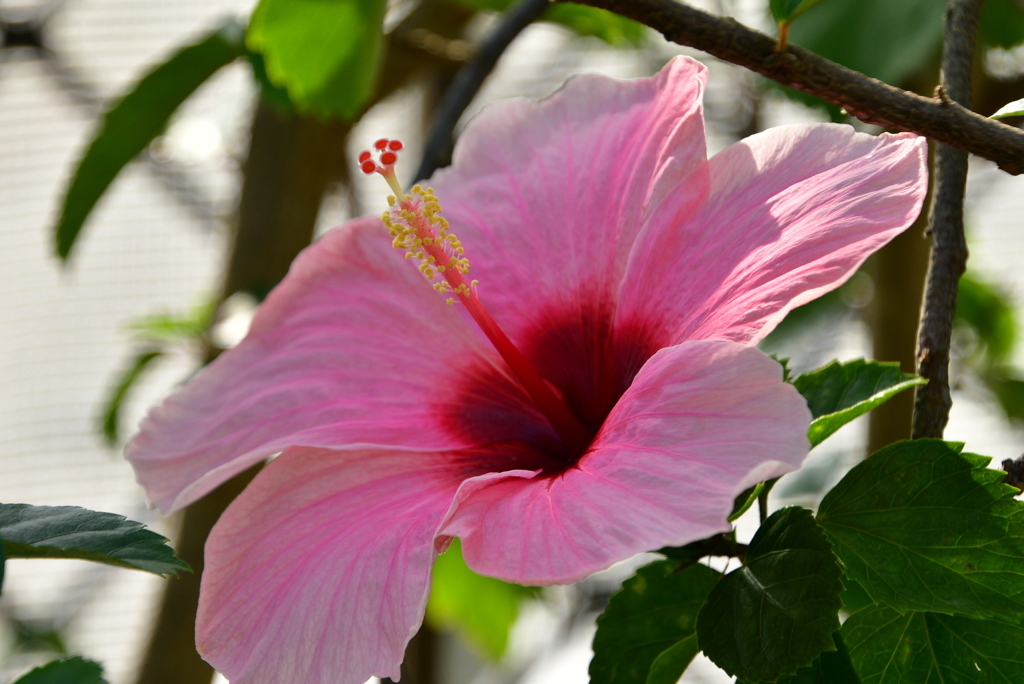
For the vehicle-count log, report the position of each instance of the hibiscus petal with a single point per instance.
(792, 214)
(319, 572)
(548, 197)
(353, 348)
(702, 421)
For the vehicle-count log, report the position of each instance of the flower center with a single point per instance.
(416, 226)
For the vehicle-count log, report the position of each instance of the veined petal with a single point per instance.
(353, 348)
(701, 422)
(548, 197)
(792, 214)
(319, 572)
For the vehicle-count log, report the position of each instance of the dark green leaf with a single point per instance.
(588, 21)
(135, 120)
(989, 313)
(325, 53)
(113, 404)
(1009, 390)
(839, 392)
(927, 648)
(481, 609)
(670, 664)
(1002, 23)
(76, 670)
(655, 611)
(73, 532)
(923, 527)
(854, 597)
(887, 40)
(275, 95)
(778, 612)
(788, 10)
(745, 500)
(831, 667)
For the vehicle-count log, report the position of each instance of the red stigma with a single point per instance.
(368, 167)
(395, 145)
(365, 156)
(388, 158)
(381, 144)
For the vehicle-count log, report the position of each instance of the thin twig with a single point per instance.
(440, 140)
(946, 227)
(869, 100)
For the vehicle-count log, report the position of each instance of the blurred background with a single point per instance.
(176, 254)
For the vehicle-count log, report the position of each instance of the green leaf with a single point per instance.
(188, 327)
(654, 613)
(927, 648)
(788, 10)
(1009, 390)
(988, 312)
(138, 117)
(839, 392)
(854, 597)
(1015, 108)
(831, 667)
(670, 664)
(73, 532)
(778, 612)
(592, 21)
(745, 500)
(1002, 23)
(587, 21)
(76, 670)
(118, 394)
(924, 527)
(325, 53)
(887, 40)
(481, 609)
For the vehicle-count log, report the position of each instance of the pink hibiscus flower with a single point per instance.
(633, 275)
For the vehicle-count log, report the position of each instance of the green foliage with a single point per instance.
(481, 609)
(135, 120)
(839, 392)
(647, 632)
(325, 53)
(670, 664)
(922, 526)
(588, 21)
(119, 393)
(1015, 108)
(894, 41)
(157, 333)
(75, 670)
(1002, 23)
(831, 667)
(788, 10)
(984, 309)
(3, 564)
(887, 40)
(73, 532)
(167, 327)
(775, 614)
(926, 648)
(745, 500)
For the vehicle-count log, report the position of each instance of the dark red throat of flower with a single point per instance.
(416, 226)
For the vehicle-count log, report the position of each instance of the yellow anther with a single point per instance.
(416, 226)
(449, 301)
